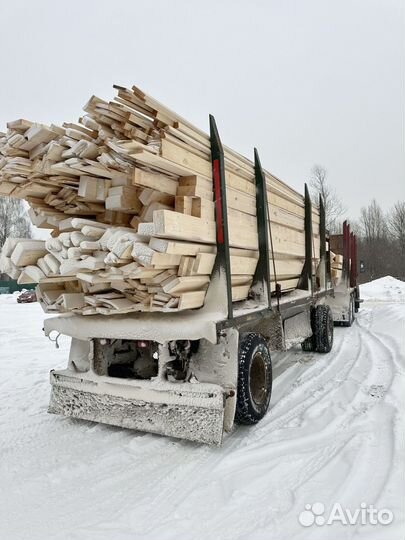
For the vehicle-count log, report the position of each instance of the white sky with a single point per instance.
(306, 81)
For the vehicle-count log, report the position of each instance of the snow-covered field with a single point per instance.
(334, 434)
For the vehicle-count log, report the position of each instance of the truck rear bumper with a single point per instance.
(193, 411)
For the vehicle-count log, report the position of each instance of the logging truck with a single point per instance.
(194, 373)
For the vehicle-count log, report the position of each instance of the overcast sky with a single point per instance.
(305, 81)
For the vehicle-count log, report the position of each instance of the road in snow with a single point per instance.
(335, 433)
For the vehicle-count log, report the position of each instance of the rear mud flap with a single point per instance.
(193, 415)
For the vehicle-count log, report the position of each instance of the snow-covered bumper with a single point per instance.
(193, 411)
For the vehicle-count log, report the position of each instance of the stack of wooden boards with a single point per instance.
(128, 194)
(336, 261)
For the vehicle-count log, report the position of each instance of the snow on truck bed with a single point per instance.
(334, 434)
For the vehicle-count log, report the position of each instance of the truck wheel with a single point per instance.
(323, 328)
(356, 302)
(254, 379)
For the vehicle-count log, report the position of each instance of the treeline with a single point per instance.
(381, 241)
(14, 221)
(381, 235)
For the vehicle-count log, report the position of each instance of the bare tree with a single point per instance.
(376, 249)
(334, 208)
(373, 222)
(397, 225)
(14, 220)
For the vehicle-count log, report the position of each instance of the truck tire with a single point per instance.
(255, 379)
(323, 328)
(356, 300)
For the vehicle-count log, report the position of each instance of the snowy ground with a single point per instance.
(334, 434)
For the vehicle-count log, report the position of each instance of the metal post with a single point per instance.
(353, 267)
(221, 215)
(262, 274)
(345, 251)
(347, 258)
(308, 240)
(322, 234)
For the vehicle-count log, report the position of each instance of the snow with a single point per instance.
(384, 289)
(334, 433)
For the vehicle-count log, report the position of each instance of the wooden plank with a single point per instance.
(160, 260)
(180, 156)
(160, 277)
(201, 152)
(177, 285)
(238, 252)
(240, 201)
(184, 205)
(241, 280)
(6, 188)
(286, 268)
(238, 183)
(191, 140)
(287, 219)
(185, 127)
(169, 224)
(79, 223)
(285, 284)
(240, 292)
(289, 241)
(30, 274)
(243, 265)
(148, 257)
(123, 198)
(157, 182)
(71, 301)
(202, 208)
(338, 258)
(148, 196)
(196, 181)
(161, 164)
(180, 248)
(195, 191)
(191, 300)
(186, 266)
(241, 220)
(204, 263)
(276, 200)
(135, 221)
(27, 252)
(147, 211)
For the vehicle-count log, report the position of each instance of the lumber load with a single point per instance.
(127, 193)
(336, 267)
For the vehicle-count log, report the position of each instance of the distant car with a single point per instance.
(26, 297)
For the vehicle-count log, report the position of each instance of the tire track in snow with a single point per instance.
(107, 483)
(325, 378)
(320, 384)
(340, 433)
